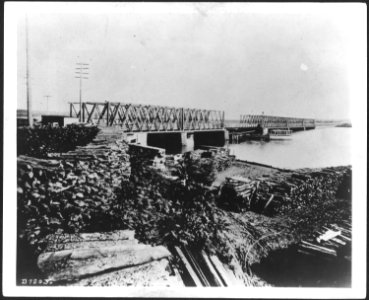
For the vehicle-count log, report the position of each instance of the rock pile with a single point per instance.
(105, 259)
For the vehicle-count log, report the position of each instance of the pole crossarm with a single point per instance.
(81, 71)
(144, 118)
(251, 121)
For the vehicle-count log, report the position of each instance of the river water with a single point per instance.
(322, 147)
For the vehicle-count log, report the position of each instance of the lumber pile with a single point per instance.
(105, 259)
(38, 141)
(330, 242)
(144, 156)
(172, 161)
(75, 191)
(221, 156)
(236, 193)
(275, 191)
(200, 269)
(41, 164)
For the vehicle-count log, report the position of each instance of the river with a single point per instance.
(322, 147)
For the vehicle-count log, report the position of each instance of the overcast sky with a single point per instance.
(238, 60)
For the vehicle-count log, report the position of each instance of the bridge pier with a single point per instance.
(172, 141)
(177, 141)
(216, 138)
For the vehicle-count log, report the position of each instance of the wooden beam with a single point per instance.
(91, 114)
(107, 113)
(268, 202)
(188, 267)
(218, 281)
(115, 111)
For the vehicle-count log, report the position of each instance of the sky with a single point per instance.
(237, 58)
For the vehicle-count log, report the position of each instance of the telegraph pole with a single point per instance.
(81, 71)
(29, 106)
(47, 102)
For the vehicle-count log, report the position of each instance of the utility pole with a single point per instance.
(47, 102)
(81, 71)
(29, 106)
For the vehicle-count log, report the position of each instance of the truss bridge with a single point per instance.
(147, 118)
(275, 122)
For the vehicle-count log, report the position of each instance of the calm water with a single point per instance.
(322, 147)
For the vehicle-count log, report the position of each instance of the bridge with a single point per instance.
(147, 118)
(248, 124)
(159, 126)
(274, 122)
(173, 127)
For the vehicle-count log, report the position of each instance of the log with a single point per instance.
(57, 246)
(64, 238)
(218, 281)
(348, 232)
(268, 202)
(225, 276)
(188, 266)
(196, 267)
(318, 248)
(329, 234)
(70, 265)
(45, 164)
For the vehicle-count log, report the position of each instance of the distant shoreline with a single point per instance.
(348, 125)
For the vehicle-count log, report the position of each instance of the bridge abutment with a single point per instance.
(137, 137)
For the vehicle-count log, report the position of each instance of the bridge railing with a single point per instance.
(251, 121)
(136, 117)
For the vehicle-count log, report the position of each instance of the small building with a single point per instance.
(58, 119)
(22, 117)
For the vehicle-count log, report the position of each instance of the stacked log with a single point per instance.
(144, 156)
(105, 259)
(150, 177)
(267, 194)
(236, 193)
(74, 192)
(221, 156)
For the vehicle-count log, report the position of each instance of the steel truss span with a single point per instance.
(249, 121)
(139, 118)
